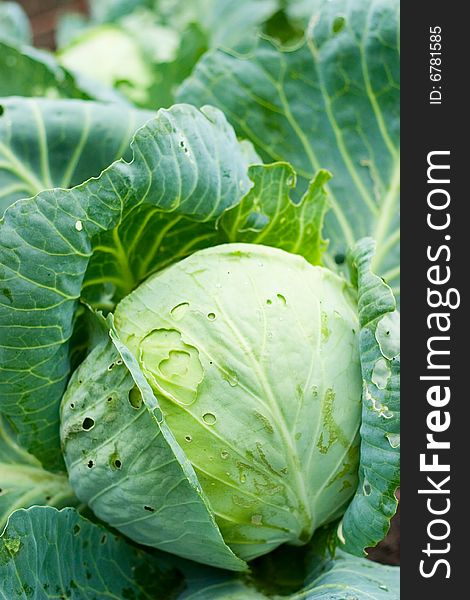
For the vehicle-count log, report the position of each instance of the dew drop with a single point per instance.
(188, 438)
(211, 316)
(178, 311)
(282, 299)
(209, 418)
(224, 454)
(269, 302)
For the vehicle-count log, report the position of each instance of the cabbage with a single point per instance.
(252, 354)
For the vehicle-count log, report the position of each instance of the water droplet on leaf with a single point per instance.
(209, 418)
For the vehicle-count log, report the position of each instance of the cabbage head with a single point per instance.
(252, 356)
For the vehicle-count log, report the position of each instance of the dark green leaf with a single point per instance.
(46, 554)
(23, 481)
(60, 143)
(367, 518)
(334, 103)
(267, 215)
(29, 72)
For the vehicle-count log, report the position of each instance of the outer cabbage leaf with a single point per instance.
(185, 162)
(25, 71)
(23, 481)
(331, 102)
(99, 565)
(348, 577)
(14, 24)
(60, 143)
(268, 215)
(147, 49)
(116, 445)
(126, 255)
(367, 518)
(47, 553)
(224, 22)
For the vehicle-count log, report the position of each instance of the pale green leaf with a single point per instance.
(116, 445)
(267, 214)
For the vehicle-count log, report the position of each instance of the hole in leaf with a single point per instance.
(117, 463)
(88, 423)
(72, 406)
(2, 110)
(135, 398)
(90, 464)
(340, 258)
(149, 509)
(104, 539)
(76, 530)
